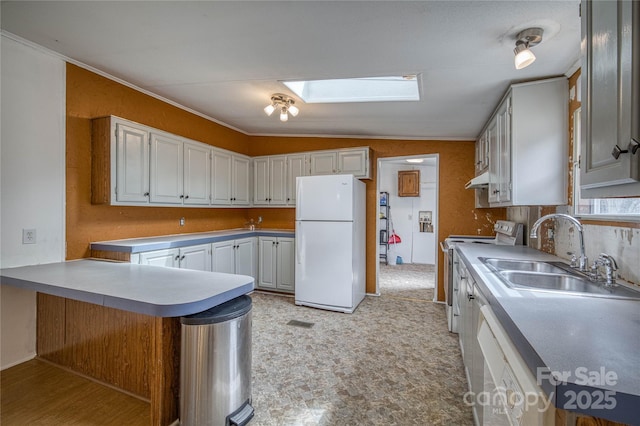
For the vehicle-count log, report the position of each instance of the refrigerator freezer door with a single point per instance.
(327, 198)
(324, 267)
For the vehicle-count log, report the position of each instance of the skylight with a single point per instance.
(366, 89)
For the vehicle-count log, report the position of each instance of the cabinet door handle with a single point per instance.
(186, 196)
(634, 144)
(617, 151)
(177, 257)
(470, 296)
(146, 194)
(183, 256)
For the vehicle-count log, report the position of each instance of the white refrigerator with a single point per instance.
(330, 242)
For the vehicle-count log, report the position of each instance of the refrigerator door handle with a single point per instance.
(298, 243)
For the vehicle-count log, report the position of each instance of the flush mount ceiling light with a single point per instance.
(283, 103)
(415, 160)
(524, 41)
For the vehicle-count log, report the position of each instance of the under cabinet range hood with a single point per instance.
(480, 181)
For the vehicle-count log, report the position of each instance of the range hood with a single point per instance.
(480, 181)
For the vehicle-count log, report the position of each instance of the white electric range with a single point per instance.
(507, 233)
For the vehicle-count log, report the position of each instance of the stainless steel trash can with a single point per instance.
(215, 366)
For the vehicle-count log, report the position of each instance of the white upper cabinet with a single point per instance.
(499, 133)
(132, 164)
(197, 172)
(240, 182)
(353, 161)
(220, 177)
(323, 163)
(528, 148)
(296, 166)
(269, 177)
(610, 159)
(166, 167)
(229, 178)
(482, 153)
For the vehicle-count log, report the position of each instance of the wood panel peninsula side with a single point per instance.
(119, 323)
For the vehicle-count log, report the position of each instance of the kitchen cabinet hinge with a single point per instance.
(510, 110)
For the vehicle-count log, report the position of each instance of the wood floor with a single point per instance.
(39, 393)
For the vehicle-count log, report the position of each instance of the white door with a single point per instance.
(245, 257)
(166, 170)
(220, 177)
(285, 263)
(325, 198)
(323, 163)
(324, 266)
(260, 181)
(295, 167)
(132, 164)
(277, 179)
(196, 257)
(197, 174)
(169, 257)
(267, 262)
(223, 257)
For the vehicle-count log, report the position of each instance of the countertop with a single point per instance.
(151, 290)
(581, 335)
(139, 245)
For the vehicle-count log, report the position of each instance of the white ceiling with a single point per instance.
(225, 59)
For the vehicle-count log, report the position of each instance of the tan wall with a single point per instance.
(90, 96)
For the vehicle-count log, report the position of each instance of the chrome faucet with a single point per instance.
(582, 260)
(610, 268)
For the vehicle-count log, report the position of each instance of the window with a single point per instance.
(594, 208)
(366, 89)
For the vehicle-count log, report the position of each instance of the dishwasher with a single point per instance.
(512, 394)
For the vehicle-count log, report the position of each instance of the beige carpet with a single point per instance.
(391, 362)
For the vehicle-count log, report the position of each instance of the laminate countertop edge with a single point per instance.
(144, 289)
(163, 242)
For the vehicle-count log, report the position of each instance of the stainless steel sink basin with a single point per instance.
(553, 277)
(523, 265)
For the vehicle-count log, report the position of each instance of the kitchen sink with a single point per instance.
(553, 277)
(523, 265)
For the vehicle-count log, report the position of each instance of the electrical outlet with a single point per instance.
(28, 236)
(182, 221)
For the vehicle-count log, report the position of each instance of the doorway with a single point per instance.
(407, 267)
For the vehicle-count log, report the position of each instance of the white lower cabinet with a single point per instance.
(235, 256)
(193, 257)
(276, 263)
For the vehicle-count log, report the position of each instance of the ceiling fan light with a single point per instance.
(293, 110)
(269, 109)
(283, 115)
